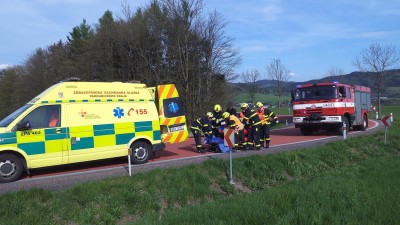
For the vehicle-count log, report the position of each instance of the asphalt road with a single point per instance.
(177, 155)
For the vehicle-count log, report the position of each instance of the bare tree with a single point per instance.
(278, 73)
(378, 59)
(333, 73)
(250, 79)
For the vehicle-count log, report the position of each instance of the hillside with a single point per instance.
(391, 87)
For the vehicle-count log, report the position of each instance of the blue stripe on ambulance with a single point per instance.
(33, 148)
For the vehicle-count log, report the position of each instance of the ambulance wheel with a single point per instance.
(140, 152)
(10, 168)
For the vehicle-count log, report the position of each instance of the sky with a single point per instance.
(309, 36)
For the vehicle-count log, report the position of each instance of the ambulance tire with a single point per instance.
(141, 152)
(11, 168)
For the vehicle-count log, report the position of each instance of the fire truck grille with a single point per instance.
(312, 111)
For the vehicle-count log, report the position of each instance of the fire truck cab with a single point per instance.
(328, 105)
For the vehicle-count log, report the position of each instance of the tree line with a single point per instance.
(166, 41)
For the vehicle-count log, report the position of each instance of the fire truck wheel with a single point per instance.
(364, 126)
(306, 131)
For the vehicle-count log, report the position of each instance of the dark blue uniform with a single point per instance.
(254, 121)
(200, 125)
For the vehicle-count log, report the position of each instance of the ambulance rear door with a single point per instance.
(172, 115)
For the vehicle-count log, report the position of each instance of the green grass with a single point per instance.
(354, 181)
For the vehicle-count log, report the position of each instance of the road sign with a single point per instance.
(229, 138)
(387, 121)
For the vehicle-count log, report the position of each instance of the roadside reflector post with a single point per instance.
(377, 117)
(387, 122)
(129, 162)
(385, 133)
(230, 167)
(344, 130)
(286, 122)
(229, 140)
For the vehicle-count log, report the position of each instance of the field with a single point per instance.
(354, 181)
(258, 97)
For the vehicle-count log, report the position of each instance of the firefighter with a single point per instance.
(233, 122)
(245, 130)
(202, 124)
(217, 120)
(254, 121)
(265, 116)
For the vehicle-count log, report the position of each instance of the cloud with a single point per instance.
(4, 66)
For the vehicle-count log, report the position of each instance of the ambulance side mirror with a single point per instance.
(24, 126)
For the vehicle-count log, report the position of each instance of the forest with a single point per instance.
(163, 42)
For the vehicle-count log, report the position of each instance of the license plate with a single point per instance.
(176, 128)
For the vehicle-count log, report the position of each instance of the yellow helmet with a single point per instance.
(244, 106)
(217, 108)
(259, 105)
(210, 115)
(225, 115)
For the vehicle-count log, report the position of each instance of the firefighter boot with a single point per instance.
(250, 147)
(261, 143)
(201, 150)
(267, 144)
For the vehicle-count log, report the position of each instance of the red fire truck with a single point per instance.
(328, 105)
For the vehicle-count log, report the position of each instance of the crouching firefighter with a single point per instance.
(232, 122)
(202, 124)
(255, 123)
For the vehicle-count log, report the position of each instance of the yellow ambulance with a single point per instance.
(73, 122)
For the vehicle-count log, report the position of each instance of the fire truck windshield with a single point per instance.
(316, 92)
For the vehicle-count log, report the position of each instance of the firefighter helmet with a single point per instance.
(225, 115)
(259, 105)
(217, 108)
(210, 115)
(244, 106)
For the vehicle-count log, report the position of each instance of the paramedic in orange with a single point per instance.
(54, 116)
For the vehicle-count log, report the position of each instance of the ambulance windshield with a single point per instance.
(10, 118)
(316, 92)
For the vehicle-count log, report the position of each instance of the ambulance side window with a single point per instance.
(44, 117)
